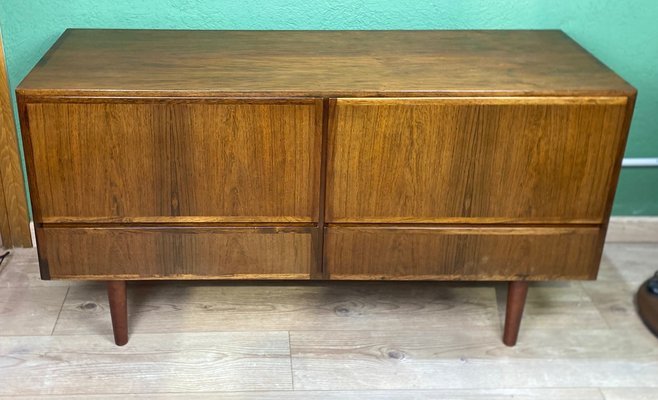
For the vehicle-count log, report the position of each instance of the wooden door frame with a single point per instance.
(14, 218)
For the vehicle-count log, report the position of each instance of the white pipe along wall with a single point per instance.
(640, 162)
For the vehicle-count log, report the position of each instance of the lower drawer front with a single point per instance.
(462, 253)
(180, 253)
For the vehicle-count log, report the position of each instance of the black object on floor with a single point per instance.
(647, 303)
(2, 256)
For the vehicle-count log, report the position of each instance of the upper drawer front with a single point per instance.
(176, 162)
(473, 159)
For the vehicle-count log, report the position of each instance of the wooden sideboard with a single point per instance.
(358, 155)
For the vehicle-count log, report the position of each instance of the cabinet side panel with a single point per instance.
(177, 253)
(462, 253)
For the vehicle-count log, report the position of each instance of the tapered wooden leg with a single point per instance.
(116, 292)
(516, 295)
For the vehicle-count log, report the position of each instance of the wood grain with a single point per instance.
(616, 303)
(177, 253)
(465, 359)
(30, 311)
(492, 155)
(566, 351)
(284, 306)
(631, 261)
(185, 162)
(629, 393)
(21, 270)
(462, 253)
(632, 229)
(516, 295)
(478, 160)
(462, 394)
(14, 220)
(317, 63)
(227, 361)
(118, 301)
(547, 304)
(618, 160)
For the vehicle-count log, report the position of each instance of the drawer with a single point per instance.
(149, 161)
(473, 160)
(177, 253)
(462, 253)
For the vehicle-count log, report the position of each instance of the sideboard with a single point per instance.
(338, 155)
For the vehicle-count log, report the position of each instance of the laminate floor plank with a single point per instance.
(30, 311)
(624, 268)
(628, 263)
(467, 359)
(466, 394)
(628, 393)
(151, 363)
(632, 230)
(212, 306)
(616, 303)
(21, 269)
(564, 305)
(350, 340)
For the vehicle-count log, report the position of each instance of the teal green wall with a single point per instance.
(623, 34)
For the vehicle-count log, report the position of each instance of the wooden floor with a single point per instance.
(196, 340)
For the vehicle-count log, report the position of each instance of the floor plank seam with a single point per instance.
(292, 372)
(598, 309)
(603, 396)
(385, 350)
(60, 311)
(256, 391)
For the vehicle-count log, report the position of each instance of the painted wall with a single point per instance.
(623, 34)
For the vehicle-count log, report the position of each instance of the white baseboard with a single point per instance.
(33, 233)
(633, 229)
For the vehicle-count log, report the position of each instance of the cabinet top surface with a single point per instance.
(319, 63)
